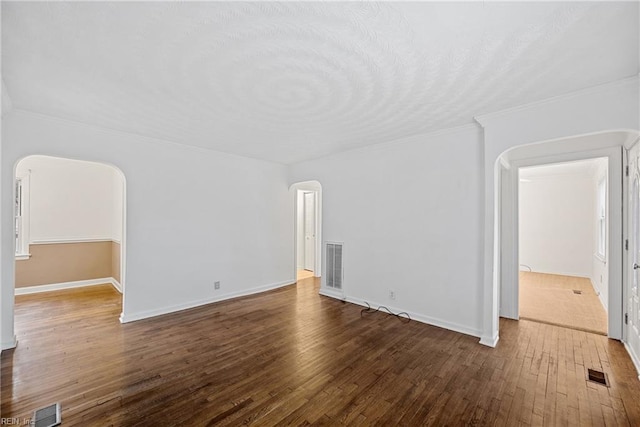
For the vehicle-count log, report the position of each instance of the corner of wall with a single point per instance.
(490, 341)
(7, 345)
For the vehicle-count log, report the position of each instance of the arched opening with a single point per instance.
(609, 145)
(70, 223)
(307, 214)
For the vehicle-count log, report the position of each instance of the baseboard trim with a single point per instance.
(7, 345)
(596, 289)
(414, 316)
(126, 318)
(116, 284)
(634, 358)
(67, 285)
(489, 341)
(73, 240)
(331, 293)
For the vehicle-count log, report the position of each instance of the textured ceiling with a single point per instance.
(581, 167)
(294, 81)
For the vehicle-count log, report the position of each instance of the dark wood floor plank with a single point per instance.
(292, 357)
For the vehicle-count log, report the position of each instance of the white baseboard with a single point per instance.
(635, 358)
(116, 284)
(67, 285)
(331, 293)
(72, 240)
(599, 294)
(6, 345)
(414, 316)
(126, 318)
(489, 341)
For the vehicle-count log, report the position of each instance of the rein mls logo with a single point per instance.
(16, 422)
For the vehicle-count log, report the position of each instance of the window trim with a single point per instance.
(601, 219)
(24, 253)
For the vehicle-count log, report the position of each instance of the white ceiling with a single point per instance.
(581, 167)
(294, 81)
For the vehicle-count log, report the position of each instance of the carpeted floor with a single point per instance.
(549, 298)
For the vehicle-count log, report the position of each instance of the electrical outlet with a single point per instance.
(216, 285)
(392, 294)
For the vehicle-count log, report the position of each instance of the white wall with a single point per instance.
(613, 106)
(193, 216)
(71, 200)
(409, 216)
(7, 105)
(7, 337)
(117, 203)
(557, 221)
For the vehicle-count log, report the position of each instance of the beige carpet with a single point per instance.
(549, 298)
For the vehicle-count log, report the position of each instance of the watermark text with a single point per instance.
(16, 422)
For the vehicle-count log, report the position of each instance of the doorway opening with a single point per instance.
(306, 218)
(563, 241)
(307, 230)
(69, 227)
(609, 145)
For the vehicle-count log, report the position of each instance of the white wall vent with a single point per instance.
(333, 265)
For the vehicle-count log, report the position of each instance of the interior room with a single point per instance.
(376, 147)
(69, 222)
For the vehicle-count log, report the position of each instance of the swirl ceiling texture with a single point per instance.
(288, 82)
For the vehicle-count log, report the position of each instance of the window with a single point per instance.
(602, 218)
(21, 222)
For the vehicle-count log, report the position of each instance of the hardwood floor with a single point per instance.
(293, 357)
(550, 298)
(304, 274)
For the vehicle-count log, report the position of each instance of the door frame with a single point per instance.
(315, 187)
(509, 220)
(630, 256)
(305, 251)
(630, 253)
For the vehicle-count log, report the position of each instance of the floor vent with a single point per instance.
(334, 265)
(597, 377)
(48, 416)
(577, 292)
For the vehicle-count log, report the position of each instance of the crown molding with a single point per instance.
(468, 127)
(141, 138)
(483, 119)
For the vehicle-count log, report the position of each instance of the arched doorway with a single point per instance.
(70, 225)
(506, 232)
(307, 214)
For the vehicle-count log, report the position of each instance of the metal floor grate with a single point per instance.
(48, 416)
(597, 377)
